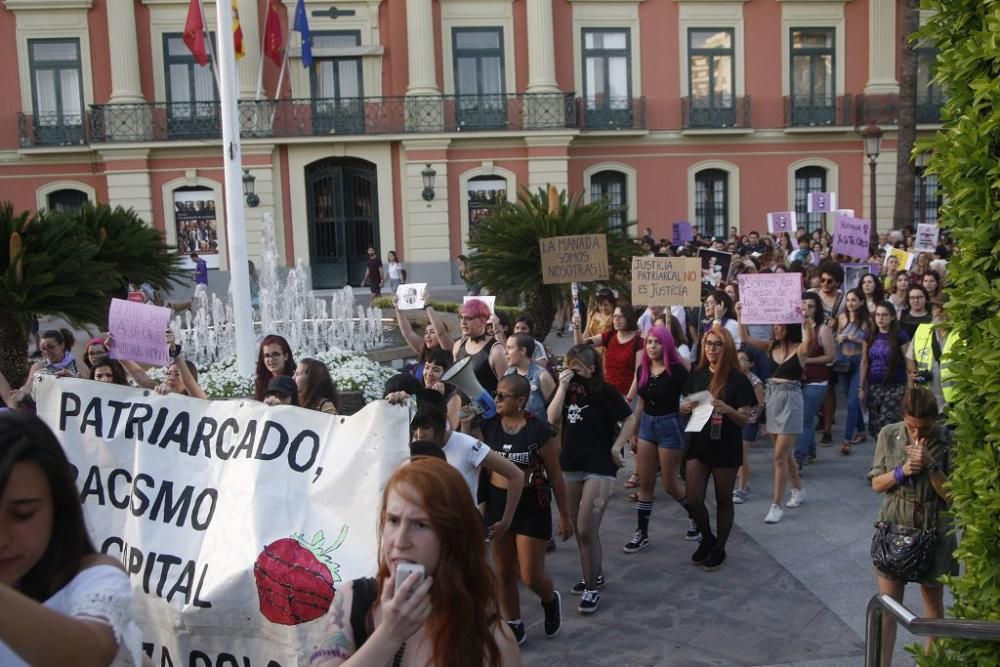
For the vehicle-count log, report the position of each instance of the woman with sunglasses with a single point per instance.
(883, 369)
(716, 451)
(788, 351)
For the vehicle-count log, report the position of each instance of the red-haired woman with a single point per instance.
(716, 450)
(657, 433)
(273, 358)
(427, 519)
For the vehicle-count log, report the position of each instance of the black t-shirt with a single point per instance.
(909, 323)
(661, 395)
(737, 393)
(374, 270)
(589, 426)
(521, 448)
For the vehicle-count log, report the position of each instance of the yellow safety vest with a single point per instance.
(947, 375)
(923, 347)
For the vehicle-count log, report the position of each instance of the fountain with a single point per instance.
(287, 308)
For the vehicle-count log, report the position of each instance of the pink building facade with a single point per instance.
(711, 111)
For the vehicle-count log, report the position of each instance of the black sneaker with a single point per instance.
(589, 602)
(578, 589)
(703, 551)
(692, 533)
(714, 560)
(638, 542)
(517, 627)
(553, 615)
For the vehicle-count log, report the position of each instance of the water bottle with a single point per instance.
(715, 432)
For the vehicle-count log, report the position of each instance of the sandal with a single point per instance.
(858, 439)
(845, 448)
(633, 497)
(632, 482)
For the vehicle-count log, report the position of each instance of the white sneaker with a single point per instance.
(774, 515)
(798, 495)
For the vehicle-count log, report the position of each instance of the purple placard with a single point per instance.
(822, 202)
(781, 221)
(139, 332)
(852, 236)
(770, 298)
(681, 233)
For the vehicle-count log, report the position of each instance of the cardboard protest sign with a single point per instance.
(681, 233)
(574, 259)
(139, 332)
(666, 281)
(821, 202)
(851, 237)
(237, 522)
(488, 300)
(927, 238)
(410, 296)
(782, 221)
(770, 298)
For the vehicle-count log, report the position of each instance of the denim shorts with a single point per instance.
(750, 432)
(667, 431)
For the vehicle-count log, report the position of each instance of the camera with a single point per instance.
(924, 377)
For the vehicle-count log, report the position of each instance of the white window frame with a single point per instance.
(631, 188)
(619, 14)
(479, 14)
(723, 15)
(43, 192)
(804, 14)
(832, 177)
(733, 191)
(169, 224)
(487, 168)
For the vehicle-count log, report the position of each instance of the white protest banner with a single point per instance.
(927, 238)
(851, 236)
(821, 202)
(237, 522)
(139, 332)
(488, 300)
(770, 298)
(410, 296)
(781, 221)
(574, 259)
(666, 281)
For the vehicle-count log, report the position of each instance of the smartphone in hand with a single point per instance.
(403, 570)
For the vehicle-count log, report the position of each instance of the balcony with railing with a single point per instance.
(819, 111)
(706, 114)
(53, 129)
(612, 113)
(884, 109)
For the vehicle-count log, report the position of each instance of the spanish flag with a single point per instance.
(237, 33)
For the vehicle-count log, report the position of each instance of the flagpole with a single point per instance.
(213, 63)
(239, 273)
(281, 82)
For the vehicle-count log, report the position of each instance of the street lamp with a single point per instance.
(919, 167)
(428, 175)
(253, 201)
(872, 138)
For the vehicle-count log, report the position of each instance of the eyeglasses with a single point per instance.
(470, 319)
(273, 355)
(916, 296)
(714, 344)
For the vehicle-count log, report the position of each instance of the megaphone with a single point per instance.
(463, 376)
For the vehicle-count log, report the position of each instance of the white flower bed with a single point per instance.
(350, 372)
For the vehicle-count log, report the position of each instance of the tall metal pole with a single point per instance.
(872, 186)
(239, 272)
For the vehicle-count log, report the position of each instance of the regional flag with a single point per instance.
(301, 25)
(237, 33)
(194, 33)
(272, 35)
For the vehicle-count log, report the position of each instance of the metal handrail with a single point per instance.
(922, 627)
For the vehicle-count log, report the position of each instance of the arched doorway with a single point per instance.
(342, 201)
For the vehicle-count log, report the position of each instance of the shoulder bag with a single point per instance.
(904, 552)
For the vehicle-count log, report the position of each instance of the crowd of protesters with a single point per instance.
(551, 439)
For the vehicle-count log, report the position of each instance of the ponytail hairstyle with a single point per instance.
(63, 337)
(668, 348)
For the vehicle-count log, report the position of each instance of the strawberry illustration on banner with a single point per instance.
(295, 578)
(782, 221)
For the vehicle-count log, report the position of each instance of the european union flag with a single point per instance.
(301, 25)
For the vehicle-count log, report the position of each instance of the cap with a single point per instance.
(283, 385)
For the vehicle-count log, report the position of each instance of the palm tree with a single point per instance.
(907, 128)
(507, 257)
(68, 266)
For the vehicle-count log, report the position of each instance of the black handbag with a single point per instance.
(903, 552)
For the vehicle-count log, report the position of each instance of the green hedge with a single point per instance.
(967, 163)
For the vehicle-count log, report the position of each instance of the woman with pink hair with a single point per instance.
(658, 435)
(488, 359)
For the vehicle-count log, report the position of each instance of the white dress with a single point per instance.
(102, 593)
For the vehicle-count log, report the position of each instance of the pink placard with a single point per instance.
(770, 298)
(139, 332)
(852, 236)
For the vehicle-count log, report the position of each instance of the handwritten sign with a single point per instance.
(666, 281)
(771, 298)
(851, 236)
(139, 332)
(927, 238)
(410, 296)
(681, 233)
(821, 202)
(574, 259)
(782, 221)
